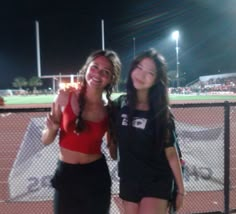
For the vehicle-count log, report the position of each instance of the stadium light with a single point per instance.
(175, 36)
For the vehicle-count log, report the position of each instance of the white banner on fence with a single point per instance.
(203, 151)
(30, 176)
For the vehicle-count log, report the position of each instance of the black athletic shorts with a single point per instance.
(134, 191)
(82, 188)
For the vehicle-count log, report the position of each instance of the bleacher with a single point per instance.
(217, 84)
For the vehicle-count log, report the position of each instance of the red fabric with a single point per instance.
(88, 141)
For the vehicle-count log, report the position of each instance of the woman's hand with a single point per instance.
(53, 118)
(52, 125)
(179, 200)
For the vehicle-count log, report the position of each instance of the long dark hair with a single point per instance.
(115, 61)
(157, 95)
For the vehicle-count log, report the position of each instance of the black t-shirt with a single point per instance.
(139, 154)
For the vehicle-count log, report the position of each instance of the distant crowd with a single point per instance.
(214, 86)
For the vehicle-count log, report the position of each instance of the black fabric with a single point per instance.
(142, 157)
(82, 188)
(139, 155)
(134, 190)
(172, 201)
(140, 161)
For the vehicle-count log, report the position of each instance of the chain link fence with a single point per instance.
(207, 139)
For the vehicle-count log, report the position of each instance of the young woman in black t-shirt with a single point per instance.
(148, 161)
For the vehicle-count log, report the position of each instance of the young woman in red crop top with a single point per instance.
(82, 181)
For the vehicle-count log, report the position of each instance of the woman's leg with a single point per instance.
(153, 206)
(99, 204)
(56, 203)
(130, 207)
(63, 203)
(98, 192)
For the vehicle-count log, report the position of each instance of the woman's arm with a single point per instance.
(174, 162)
(111, 133)
(111, 146)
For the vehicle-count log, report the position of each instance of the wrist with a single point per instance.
(52, 130)
(181, 193)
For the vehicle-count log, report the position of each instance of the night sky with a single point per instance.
(70, 30)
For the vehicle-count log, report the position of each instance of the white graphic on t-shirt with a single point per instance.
(137, 122)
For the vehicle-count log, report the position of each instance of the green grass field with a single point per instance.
(45, 99)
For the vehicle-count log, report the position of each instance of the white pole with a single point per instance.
(72, 78)
(38, 48)
(59, 78)
(175, 36)
(177, 60)
(103, 40)
(54, 85)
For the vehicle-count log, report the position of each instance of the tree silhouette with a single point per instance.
(19, 82)
(34, 82)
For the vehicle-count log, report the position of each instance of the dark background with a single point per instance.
(70, 30)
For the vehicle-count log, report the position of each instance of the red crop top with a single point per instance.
(88, 141)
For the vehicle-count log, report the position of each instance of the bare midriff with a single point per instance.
(74, 157)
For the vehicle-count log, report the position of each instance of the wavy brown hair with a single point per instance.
(115, 61)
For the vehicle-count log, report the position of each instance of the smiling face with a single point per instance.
(99, 73)
(144, 75)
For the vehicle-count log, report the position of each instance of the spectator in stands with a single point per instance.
(149, 161)
(82, 181)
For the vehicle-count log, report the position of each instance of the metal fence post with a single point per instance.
(226, 156)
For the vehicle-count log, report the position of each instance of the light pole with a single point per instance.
(134, 47)
(175, 36)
